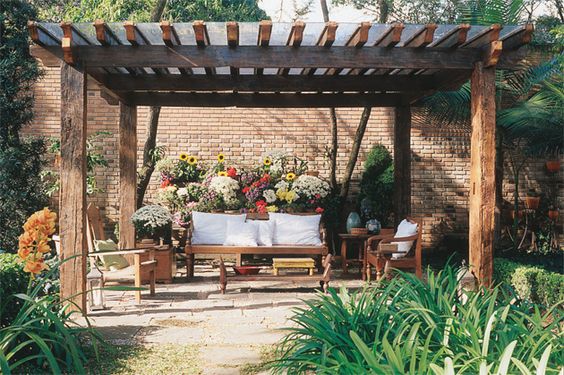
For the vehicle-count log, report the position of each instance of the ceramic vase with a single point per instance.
(353, 221)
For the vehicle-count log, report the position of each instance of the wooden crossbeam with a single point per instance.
(357, 39)
(268, 83)
(263, 40)
(41, 36)
(492, 53)
(171, 39)
(422, 37)
(294, 39)
(106, 37)
(233, 41)
(326, 39)
(202, 39)
(262, 100)
(484, 37)
(278, 57)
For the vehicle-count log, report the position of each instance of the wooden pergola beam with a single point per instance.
(357, 40)
(232, 41)
(294, 40)
(270, 83)
(326, 39)
(202, 39)
(263, 39)
(72, 195)
(261, 100)
(482, 174)
(402, 163)
(277, 57)
(171, 39)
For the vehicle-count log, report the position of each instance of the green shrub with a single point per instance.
(410, 326)
(12, 280)
(531, 283)
(377, 185)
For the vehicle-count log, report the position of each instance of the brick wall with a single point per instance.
(440, 155)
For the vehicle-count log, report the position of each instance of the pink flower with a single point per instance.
(319, 210)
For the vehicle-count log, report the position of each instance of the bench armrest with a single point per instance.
(400, 239)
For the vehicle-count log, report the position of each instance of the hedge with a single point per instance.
(531, 283)
(12, 280)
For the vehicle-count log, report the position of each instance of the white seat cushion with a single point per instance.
(296, 229)
(265, 229)
(241, 234)
(210, 229)
(405, 229)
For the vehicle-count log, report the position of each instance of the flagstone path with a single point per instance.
(231, 330)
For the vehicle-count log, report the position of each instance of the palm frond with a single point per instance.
(488, 12)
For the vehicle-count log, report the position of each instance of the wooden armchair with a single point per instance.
(134, 256)
(380, 248)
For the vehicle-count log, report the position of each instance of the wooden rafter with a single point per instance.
(484, 37)
(326, 39)
(454, 38)
(388, 39)
(107, 37)
(357, 40)
(263, 39)
(136, 38)
(518, 37)
(171, 39)
(294, 40)
(233, 41)
(202, 39)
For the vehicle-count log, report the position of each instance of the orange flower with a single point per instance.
(26, 239)
(43, 248)
(24, 252)
(35, 267)
(43, 221)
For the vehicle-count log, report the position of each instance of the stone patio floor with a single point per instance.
(230, 329)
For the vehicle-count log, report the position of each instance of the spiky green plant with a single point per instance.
(410, 326)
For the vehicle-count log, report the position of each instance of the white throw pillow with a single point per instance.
(296, 229)
(241, 234)
(405, 229)
(265, 229)
(210, 229)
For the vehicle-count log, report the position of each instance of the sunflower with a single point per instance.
(192, 160)
(183, 156)
(222, 174)
(220, 158)
(267, 161)
(290, 176)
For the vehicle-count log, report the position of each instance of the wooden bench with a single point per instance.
(190, 250)
(323, 278)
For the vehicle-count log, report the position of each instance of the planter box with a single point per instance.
(166, 266)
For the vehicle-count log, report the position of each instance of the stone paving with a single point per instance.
(230, 329)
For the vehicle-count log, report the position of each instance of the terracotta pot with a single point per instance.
(532, 203)
(553, 166)
(553, 214)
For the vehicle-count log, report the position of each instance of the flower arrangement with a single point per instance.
(151, 220)
(33, 243)
(277, 184)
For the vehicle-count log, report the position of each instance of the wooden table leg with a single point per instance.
(344, 256)
(363, 268)
(380, 263)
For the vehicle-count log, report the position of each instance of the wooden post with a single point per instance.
(402, 163)
(482, 173)
(72, 205)
(127, 173)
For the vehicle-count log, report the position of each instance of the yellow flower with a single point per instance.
(220, 158)
(222, 174)
(281, 194)
(192, 160)
(271, 208)
(290, 176)
(291, 196)
(267, 161)
(183, 156)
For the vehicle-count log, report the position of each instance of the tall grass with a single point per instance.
(409, 326)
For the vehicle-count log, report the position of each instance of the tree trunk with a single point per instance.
(148, 159)
(334, 123)
(384, 11)
(354, 153)
(148, 166)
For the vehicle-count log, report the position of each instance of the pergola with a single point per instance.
(274, 65)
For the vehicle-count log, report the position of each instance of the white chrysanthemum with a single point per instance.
(310, 186)
(226, 187)
(182, 192)
(269, 195)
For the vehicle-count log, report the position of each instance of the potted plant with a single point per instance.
(532, 200)
(153, 223)
(553, 166)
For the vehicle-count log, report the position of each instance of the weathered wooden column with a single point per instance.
(402, 163)
(482, 173)
(72, 205)
(127, 173)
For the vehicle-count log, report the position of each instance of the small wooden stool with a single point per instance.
(278, 263)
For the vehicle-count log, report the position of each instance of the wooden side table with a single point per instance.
(358, 240)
